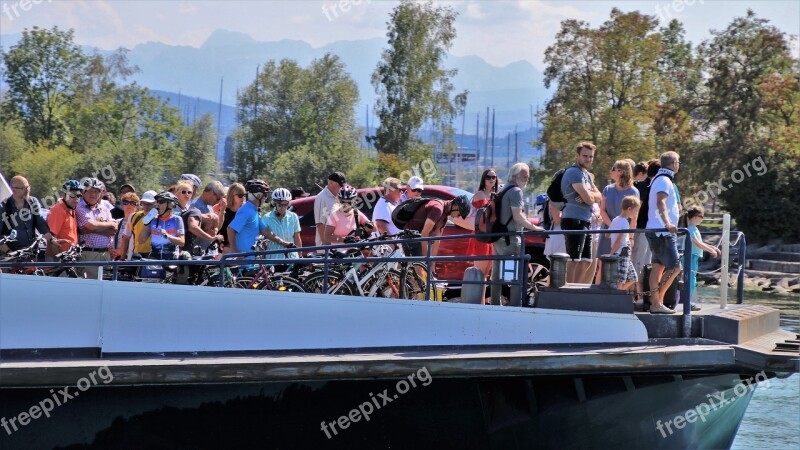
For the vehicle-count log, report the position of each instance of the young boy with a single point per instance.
(694, 215)
(620, 242)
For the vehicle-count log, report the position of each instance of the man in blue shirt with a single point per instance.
(580, 192)
(246, 225)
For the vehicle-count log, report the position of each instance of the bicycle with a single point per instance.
(24, 255)
(380, 279)
(70, 255)
(265, 278)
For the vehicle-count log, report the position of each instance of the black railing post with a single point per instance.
(222, 270)
(429, 244)
(742, 266)
(686, 292)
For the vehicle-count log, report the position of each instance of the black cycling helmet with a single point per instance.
(257, 186)
(72, 185)
(168, 196)
(462, 203)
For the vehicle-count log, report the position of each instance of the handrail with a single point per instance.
(228, 259)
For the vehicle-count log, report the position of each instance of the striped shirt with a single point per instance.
(98, 213)
(284, 228)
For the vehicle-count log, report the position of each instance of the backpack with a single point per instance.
(644, 197)
(547, 218)
(554, 192)
(487, 218)
(405, 211)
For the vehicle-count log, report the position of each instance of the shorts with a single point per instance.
(665, 250)
(579, 246)
(625, 271)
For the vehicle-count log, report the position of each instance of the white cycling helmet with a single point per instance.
(281, 195)
(89, 183)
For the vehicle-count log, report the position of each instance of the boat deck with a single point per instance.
(662, 356)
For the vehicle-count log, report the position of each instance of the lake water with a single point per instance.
(772, 420)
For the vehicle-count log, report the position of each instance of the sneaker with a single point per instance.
(696, 308)
(660, 309)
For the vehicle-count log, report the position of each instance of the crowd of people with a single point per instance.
(642, 196)
(160, 225)
(184, 218)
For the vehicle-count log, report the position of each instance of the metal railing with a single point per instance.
(327, 258)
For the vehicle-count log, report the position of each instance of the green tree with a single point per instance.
(43, 72)
(681, 95)
(752, 109)
(46, 169)
(200, 146)
(12, 145)
(606, 92)
(410, 80)
(304, 113)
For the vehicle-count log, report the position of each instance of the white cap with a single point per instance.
(149, 197)
(415, 183)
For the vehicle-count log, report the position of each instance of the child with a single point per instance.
(620, 242)
(694, 215)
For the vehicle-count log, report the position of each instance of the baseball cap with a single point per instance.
(149, 197)
(415, 183)
(338, 177)
(128, 185)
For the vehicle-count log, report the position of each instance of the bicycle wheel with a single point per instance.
(284, 283)
(336, 285)
(413, 285)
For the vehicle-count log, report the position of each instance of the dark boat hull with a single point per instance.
(503, 413)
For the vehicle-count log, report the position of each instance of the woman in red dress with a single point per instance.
(488, 186)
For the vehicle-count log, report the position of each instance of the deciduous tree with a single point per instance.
(410, 80)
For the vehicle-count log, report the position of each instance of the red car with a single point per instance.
(304, 207)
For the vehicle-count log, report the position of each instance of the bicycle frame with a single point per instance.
(378, 273)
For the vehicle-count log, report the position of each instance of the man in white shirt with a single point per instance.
(324, 203)
(663, 212)
(382, 214)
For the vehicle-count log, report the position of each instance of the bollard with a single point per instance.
(558, 269)
(610, 271)
(473, 293)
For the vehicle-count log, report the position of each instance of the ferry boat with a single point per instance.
(105, 364)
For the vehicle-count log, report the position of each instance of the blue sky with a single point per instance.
(499, 31)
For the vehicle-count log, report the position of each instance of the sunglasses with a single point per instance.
(416, 190)
(129, 203)
(161, 202)
(185, 192)
(74, 195)
(241, 195)
(346, 202)
(491, 177)
(283, 204)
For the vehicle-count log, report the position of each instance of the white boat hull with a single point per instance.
(125, 317)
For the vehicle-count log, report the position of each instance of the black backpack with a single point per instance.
(644, 197)
(405, 211)
(554, 192)
(487, 218)
(547, 218)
